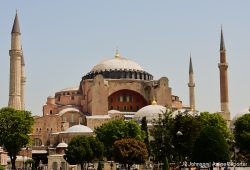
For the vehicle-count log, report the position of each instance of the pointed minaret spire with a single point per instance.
(191, 85)
(223, 66)
(222, 44)
(16, 28)
(190, 65)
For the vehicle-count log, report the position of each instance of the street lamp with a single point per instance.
(178, 134)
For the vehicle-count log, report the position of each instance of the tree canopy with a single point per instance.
(83, 149)
(175, 147)
(242, 134)
(211, 146)
(130, 151)
(15, 125)
(114, 130)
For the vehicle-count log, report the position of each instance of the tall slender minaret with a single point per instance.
(23, 81)
(15, 67)
(223, 65)
(191, 86)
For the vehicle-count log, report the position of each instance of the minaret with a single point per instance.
(15, 67)
(191, 86)
(223, 80)
(23, 81)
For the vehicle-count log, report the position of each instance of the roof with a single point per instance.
(70, 89)
(39, 151)
(117, 63)
(69, 109)
(98, 117)
(78, 129)
(151, 112)
(62, 145)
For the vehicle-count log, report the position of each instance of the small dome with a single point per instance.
(79, 129)
(113, 111)
(62, 145)
(151, 112)
(117, 63)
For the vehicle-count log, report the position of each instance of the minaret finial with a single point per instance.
(154, 101)
(117, 55)
(190, 65)
(222, 44)
(16, 28)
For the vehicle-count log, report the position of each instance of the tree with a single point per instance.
(190, 127)
(161, 145)
(130, 151)
(211, 146)
(242, 134)
(144, 127)
(15, 125)
(2, 168)
(114, 130)
(215, 120)
(82, 149)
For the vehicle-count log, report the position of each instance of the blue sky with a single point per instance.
(62, 41)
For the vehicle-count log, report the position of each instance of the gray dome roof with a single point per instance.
(62, 145)
(78, 129)
(117, 63)
(151, 112)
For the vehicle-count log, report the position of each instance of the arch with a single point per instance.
(37, 142)
(126, 101)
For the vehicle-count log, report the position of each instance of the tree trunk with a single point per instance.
(13, 162)
(81, 166)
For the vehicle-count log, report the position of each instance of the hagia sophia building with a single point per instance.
(116, 88)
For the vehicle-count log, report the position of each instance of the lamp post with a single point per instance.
(179, 134)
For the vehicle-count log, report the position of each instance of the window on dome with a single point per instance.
(118, 98)
(124, 108)
(130, 98)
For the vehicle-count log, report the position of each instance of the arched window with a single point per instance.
(37, 142)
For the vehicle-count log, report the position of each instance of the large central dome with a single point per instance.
(117, 63)
(119, 68)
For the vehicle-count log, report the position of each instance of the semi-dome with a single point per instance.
(151, 112)
(78, 129)
(119, 68)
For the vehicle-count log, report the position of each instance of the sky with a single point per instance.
(62, 41)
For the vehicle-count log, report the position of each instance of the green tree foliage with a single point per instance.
(130, 151)
(161, 144)
(190, 127)
(215, 120)
(168, 144)
(144, 127)
(2, 168)
(242, 135)
(114, 130)
(82, 149)
(211, 146)
(15, 125)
